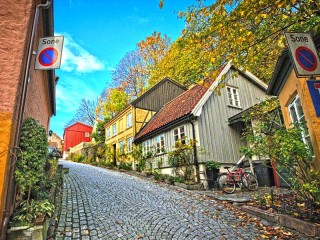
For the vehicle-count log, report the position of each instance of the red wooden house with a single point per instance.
(75, 134)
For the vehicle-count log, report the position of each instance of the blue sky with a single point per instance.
(97, 35)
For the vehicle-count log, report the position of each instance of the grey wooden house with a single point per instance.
(200, 113)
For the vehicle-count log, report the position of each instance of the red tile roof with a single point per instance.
(175, 109)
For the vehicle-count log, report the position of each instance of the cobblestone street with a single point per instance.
(102, 204)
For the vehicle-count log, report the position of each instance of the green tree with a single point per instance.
(116, 100)
(267, 137)
(248, 32)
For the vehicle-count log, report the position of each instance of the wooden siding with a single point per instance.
(160, 95)
(169, 143)
(215, 135)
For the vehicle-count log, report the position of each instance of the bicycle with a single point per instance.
(227, 181)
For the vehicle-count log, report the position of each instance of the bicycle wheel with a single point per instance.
(226, 184)
(249, 181)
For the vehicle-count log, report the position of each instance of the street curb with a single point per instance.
(307, 228)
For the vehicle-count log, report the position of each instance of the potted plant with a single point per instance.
(212, 170)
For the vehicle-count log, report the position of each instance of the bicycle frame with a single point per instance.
(235, 175)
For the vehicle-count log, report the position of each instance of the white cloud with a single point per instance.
(70, 94)
(76, 58)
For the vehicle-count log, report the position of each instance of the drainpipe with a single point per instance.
(14, 152)
(196, 163)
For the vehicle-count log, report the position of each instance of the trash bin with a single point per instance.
(212, 176)
(264, 173)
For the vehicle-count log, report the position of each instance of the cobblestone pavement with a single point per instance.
(102, 204)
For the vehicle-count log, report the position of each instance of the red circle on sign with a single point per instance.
(306, 59)
(48, 56)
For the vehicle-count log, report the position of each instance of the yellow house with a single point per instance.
(121, 129)
(296, 102)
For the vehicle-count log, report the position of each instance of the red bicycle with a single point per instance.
(227, 181)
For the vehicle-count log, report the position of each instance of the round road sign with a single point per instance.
(48, 56)
(306, 59)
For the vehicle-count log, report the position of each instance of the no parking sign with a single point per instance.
(304, 54)
(49, 53)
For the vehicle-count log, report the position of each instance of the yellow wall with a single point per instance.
(299, 86)
(5, 131)
(123, 133)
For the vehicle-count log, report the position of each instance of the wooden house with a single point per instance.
(74, 135)
(203, 114)
(121, 129)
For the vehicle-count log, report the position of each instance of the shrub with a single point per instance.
(125, 166)
(212, 165)
(32, 180)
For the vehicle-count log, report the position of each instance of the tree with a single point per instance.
(99, 133)
(85, 113)
(248, 32)
(182, 63)
(131, 75)
(153, 49)
(134, 69)
(116, 100)
(266, 137)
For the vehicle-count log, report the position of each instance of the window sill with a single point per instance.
(235, 107)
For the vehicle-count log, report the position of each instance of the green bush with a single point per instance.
(212, 165)
(33, 175)
(79, 158)
(125, 166)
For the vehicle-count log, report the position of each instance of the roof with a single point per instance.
(145, 94)
(176, 109)
(189, 103)
(166, 79)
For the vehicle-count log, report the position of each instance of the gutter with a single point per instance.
(191, 119)
(14, 152)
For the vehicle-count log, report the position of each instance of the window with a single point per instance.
(297, 116)
(86, 134)
(146, 147)
(160, 144)
(130, 144)
(129, 120)
(108, 133)
(179, 134)
(121, 147)
(120, 125)
(233, 96)
(114, 129)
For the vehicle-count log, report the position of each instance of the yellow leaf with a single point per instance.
(161, 4)
(213, 60)
(264, 15)
(264, 236)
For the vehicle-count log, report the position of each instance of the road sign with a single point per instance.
(304, 54)
(49, 53)
(314, 89)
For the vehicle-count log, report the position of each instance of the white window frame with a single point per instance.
(146, 147)
(160, 144)
(114, 129)
(233, 97)
(86, 134)
(299, 117)
(180, 134)
(129, 144)
(109, 133)
(121, 147)
(129, 120)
